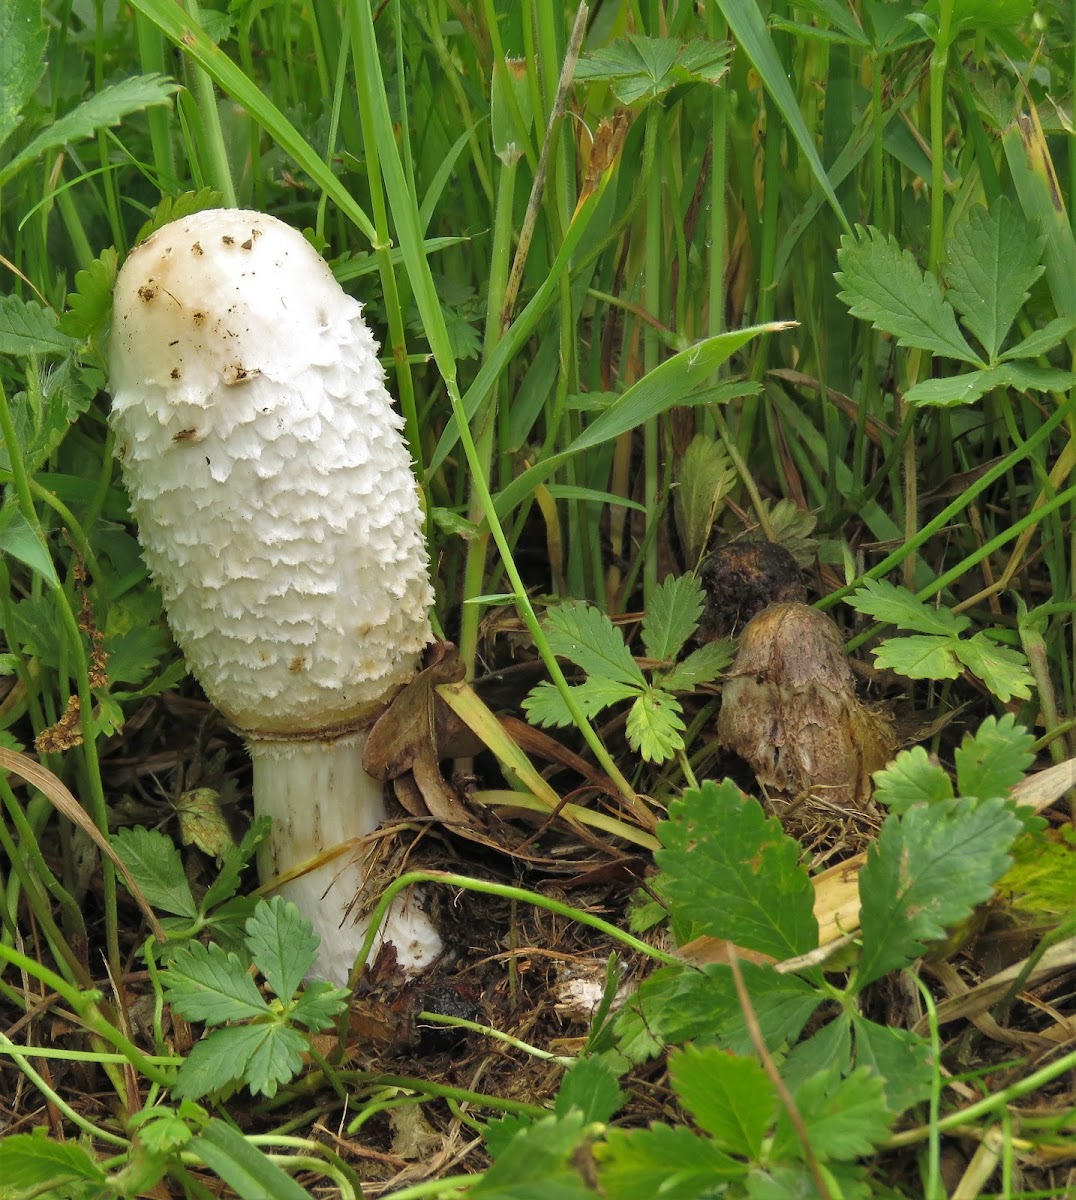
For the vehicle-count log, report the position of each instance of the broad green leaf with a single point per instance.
(928, 869)
(1042, 879)
(792, 1181)
(701, 666)
(282, 944)
(20, 540)
(275, 1054)
(677, 381)
(655, 726)
(844, 1118)
(30, 1162)
(911, 778)
(592, 1088)
(703, 477)
(919, 656)
(1003, 669)
(1041, 341)
(640, 69)
(666, 1162)
(884, 285)
(733, 874)
(544, 705)
(27, 328)
(157, 868)
(672, 617)
(212, 1066)
(731, 1098)
(900, 1058)
(993, 760)
(104, 108)
(242, 1166)
(535, 1162)
(23, 38)
(585, 635)
(319, 1004)
(203, 983)
(993, 259)
(951, 390)
(1028, 377)
(830, 1046)
(897, 606)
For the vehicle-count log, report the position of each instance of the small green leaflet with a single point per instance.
(642, 68)
(545, 706)
(900, 1058)
(592, 1088)
(670, 1162)
(897, 606)
(19, 540)
(884, 285)
(156, 866)
(283, 945)
(585, 635)
(27, 328)
(734, 874)
(701, 666)
(845, 1118)
(911, 778)
(920, 656)
(731, 1098)
(534, 1161)
(1003, 669)
(655, 727)
(995, 759)
(204, 983)
(703, 477)
(928, 869)
(672, 617)
(89, 305)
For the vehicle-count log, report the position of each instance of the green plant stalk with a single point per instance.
(652, 298)
(939, 62)
(490, 1031)
(717, 28)
(97, 804)
(444, 1091)
(934, 1189)
(216, 155)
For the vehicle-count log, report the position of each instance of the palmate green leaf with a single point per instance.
(204, 983)
(157, 868)
(31, 1162)
(911, 778)
(23, 38)
(585, 635)
(701, 666)
(282, 944)
(544, 705)
(993, 259)
(275, 1054)
(845, 1118)
(27, 328)
(1003, 669)
(900, 1058)
(928, 869)
(993, 760)
(920, 656)
(731, 1098)
(884, 285)
(670, 1162)
(640, 69)
(973, 385)
(104, 108)
(655, 726)
(897, 606)
(1041, 341)
(672, 617)
(733, 874)
(704, 476)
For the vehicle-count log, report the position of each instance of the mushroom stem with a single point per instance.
(323, 803)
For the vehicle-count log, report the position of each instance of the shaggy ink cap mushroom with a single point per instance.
(279, 515)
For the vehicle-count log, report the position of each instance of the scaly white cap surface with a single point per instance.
(273, 490)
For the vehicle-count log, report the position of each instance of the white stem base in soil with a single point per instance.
(320, 797)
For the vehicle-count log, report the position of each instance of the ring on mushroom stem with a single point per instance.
(279, 515)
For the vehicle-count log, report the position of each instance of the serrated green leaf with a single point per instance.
(227, 882)
(535, 1157)
(282, 944)
(545, 706)
(587, 637)
(734, 874)
(655, 726)
(1042, 879)
(276, 1055)
(20, 541)
(592, 1088)
(1029, 377)
(911, 778)
(173, 208)
(204, 983)
(1041, 341)
(27, 328)
(157, 868)
(731, 1098)
(792, 1181)
(211, 1066)
(993, 259)
(23, 38)
(928, 869)
(884, 285)
(993, 760)
(704, 476)
(919, 656)
(897, 606)
(89, 305)
(29, 1161)
(242, 1166)
(844, 1118)
(164, 1133)
(104, 108)
(701, 666)
(670, 1162)
(642, 68)
(318, 1005)
(952, 390)
(1003, 669)
(672, 617)
(900, 1058)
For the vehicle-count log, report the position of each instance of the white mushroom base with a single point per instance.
(321, 799)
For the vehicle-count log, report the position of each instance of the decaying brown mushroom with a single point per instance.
(789, 708)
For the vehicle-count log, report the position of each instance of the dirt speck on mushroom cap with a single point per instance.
(272, 487)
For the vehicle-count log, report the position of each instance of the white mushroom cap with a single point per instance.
(273, 491)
